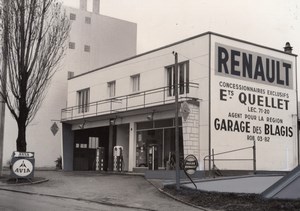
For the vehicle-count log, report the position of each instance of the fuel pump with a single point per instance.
(100, 159)
(118, 158)
(152, 157)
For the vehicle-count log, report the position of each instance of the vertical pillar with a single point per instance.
(132, 149)
(111, 144)
(67, 147)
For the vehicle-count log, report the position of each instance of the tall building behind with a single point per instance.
(95, 40)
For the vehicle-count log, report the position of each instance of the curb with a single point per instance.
(25, 183)
(177, 199)
(77, 199)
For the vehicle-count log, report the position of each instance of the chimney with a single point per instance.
(288, 48)
(83, 5)
(96, 6)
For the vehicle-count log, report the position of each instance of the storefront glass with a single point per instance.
(155, 147)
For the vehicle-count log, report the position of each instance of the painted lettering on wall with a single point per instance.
(259, 119)
(246, 65)
(253, 96)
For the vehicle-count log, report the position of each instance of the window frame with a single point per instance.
(88, 20)
(183, 78)
(87, 48)
(111, 93)
(72, 45)
(83, 100)
(134, 78)
(72, 16)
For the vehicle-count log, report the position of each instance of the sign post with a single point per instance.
(189, 166)
(176, 123)
(22, 165)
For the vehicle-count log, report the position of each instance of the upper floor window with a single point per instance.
(70, 74)
(111, 88)
(87, 20)
(72, 16)
(72, 45)
(183, 78)
(87, 48)
(83, 100)
(135, 83)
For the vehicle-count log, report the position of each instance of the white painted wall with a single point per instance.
(274, 152)
(110, 40)
(150, 66)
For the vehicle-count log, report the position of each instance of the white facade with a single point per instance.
(263, 104)
(138, 117)
(95, 40)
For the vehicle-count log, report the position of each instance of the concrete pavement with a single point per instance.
(240, 184)
(110, 189)
(131, 191)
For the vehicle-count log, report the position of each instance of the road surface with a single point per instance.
(31, 202)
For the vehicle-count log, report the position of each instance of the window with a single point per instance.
(183, 78)
(72, 16)
(70, 74)
(71, 45)
(93, 142)
(135, 82)
(88, 20)
(83, 100)
(111, 88)
(159, 139)
(87, 48)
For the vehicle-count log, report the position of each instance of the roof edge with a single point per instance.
(181, 41)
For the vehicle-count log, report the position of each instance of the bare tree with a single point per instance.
(36, 35)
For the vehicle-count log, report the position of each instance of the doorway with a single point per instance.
(86, 142)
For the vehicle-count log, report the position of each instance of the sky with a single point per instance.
(270, 23)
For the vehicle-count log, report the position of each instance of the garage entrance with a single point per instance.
(86, 142)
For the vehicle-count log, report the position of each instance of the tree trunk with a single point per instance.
(21, 139)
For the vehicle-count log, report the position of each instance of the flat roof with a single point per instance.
(182, 41)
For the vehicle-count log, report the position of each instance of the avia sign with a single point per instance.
(22, 166)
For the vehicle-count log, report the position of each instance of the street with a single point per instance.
(75, 191)
(31, 202)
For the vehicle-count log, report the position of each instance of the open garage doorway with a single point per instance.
(86, 142)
